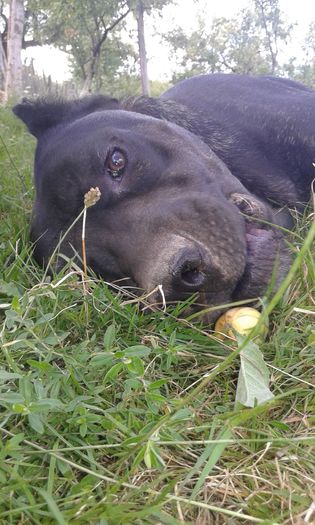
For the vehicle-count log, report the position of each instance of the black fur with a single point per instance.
(191, 164)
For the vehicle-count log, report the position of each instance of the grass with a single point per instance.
(112, 416)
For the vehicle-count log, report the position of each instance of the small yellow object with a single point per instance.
(241, 320)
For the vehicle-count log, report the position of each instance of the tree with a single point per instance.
(247, 43)
(140, 8)
(102, 28)
(304, 71)
(231, 45)
(117, 68)
(90, 32)
(270, 21)
(81, 28)
(3, 65)
(142, 49)
(13, 78)
(3, 43)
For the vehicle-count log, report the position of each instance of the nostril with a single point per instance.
(188, 270)
(191, 273)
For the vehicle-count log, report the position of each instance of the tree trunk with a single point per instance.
(89, 73)
(142, 50)
(271, 34)
(13, 83)
(3, 65)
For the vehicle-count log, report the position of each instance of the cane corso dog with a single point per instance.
(195, 185)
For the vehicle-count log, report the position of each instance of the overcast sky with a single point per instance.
(184, 14)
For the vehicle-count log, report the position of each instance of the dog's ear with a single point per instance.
(41, 114)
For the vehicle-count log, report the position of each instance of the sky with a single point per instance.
(53, 62)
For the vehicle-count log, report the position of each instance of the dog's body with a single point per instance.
(174, 174)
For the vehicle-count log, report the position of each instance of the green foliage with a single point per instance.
(149, 5)
(233, 45)
(248, 43)
(88, 31)
(93, 34)
(103, 50)
(109, 415)
(271, 23)
(305, 72)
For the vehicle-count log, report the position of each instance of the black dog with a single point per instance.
(177, 174)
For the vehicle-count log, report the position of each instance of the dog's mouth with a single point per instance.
(268, 261)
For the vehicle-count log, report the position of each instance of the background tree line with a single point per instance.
(106, 55)
(248, 43)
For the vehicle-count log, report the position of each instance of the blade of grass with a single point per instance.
(52, 505)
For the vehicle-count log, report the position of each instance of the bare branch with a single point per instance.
(97, 48)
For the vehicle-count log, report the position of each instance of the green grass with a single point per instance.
(112, 416)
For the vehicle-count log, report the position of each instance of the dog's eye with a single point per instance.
(116, 162)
